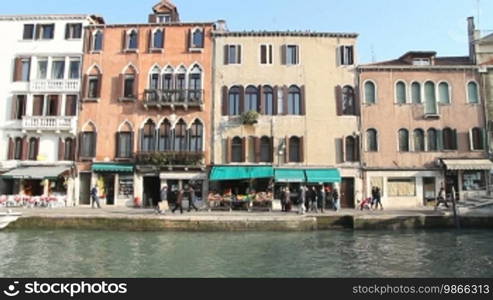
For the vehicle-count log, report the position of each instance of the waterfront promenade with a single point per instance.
(146, 220)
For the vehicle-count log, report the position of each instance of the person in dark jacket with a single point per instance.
(314, 199)
(302, 200)
(335, 197)
(308, 198)
(286, 199)
(179, 201)
(321, 199)
(95, 197)
(191, 199)
(378, 198)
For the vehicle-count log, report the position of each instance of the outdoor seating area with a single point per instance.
(251, 202)
(22, 201)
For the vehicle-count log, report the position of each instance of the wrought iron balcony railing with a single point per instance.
(174, 98)
(170, 158)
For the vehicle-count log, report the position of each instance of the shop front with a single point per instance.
(115, 183)
(469, 178)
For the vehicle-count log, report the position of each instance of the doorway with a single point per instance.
(152, 187)
(429, 190)
(347, 192)
(109, 187)
(84, 188)
(452, 182)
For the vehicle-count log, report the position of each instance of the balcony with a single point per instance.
(170, 159)
(61, 85)
(186, 99)
(42, 123)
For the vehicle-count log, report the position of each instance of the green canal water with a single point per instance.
(306, 254)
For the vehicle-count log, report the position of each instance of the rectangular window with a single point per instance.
(163, 18)
(28, 33)
(88, 145)
(46, 31)
(73, 31)
(266, 54)
(74, 69)
(233, 54)
(292, 55)
(346, 55)
(71, 105)
(42, 69)
(58, 69)
(25, 69)
(93, 87)
(52, 107)
(38, 104)
(20, 106)
(124, 145)
(474, 181)
(401, 187)
(129, 87)
(421, 62)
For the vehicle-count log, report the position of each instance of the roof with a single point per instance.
(96, 18)
(169, 24)
(283, 34)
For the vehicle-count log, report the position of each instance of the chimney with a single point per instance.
(221, 26)
(471, 32)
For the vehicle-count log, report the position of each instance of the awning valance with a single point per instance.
(468, 164)
(323, 176)
(290, 175)
(240, 173)
(37, 173)
(113, 168)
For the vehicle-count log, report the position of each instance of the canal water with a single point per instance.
(305, 254)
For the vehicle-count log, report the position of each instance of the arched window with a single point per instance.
(94, 80)
(269, 100)
(478, 139)
(88, 142)
(416, 93)
(132, 40)
(444, 93)
(266, 150)
(370, 93)
(158, 39)
(168, 78)
(348, 103)
(403, 140)
(154, 78)
(125, 141)
(195, 84)
(449, 139)
(180, 84)
(130, 83)
(430, 99)
(33, 148)
(294, 101)
(18, 148)
(148, 137)
(164, 136)
(472, 92)
(97, 41)
(237, 150)
(198, 38)
(234, 101)
(251, 99)
(400, 93)
(371, 140)
(351, 154)
(181, 136)
(295, 149)
(419, 140)
(197, 137)
(432, 140)
(69, 153)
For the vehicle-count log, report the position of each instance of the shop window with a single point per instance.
(474, 181)
(401, 187)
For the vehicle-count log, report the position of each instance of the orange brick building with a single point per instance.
(146, 108)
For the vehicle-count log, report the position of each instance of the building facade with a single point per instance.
(423, 124)
(146, 108)
(40, 89)
(286, 101)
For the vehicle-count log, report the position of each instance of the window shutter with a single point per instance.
(302, 149)
(121, 85)
(484, 138)
(284, 50)
(338, 94)
(89, 41)
(38, 32)
(61, 149)
(18, 69)
(286, 152)
(351, 55)
(285, 92)
(224, 107)
(24, 148)
(262, 100)
(14, 108)
(256, 143)
(343, 149)
(85, 84)
(38, 141)
(11, 149)
(152, 19)
(238, 47)
(58, 106)
(439, 140)
(357, 103)
(471, 140)
(67, 31)
(164, 38)
(226, 54)
(243, 149)
(94, 145)
(229, 150)
(136, 86)
(150, 43)
(79, 146)
(117, 145)
(274, 99)
(455, 140)
(100, 83)
(124, 40)
(72, 150)
(242, 99)
(356, 149)
(271, 149)
(303, 100)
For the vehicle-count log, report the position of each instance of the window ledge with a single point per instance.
(123, 159)
(131, 51)
(90, 100)
(86, 159)
(73, 39)
(200, 50)
(124, 99)
(156, 50)
(95, 51)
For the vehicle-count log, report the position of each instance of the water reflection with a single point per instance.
(307, 254)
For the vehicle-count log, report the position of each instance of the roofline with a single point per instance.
(152, 24)
(416, 68)
(284, 33)
(47, 17)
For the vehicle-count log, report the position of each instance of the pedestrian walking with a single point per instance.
(314, 200)
(373, 197)
(95, 197)
(163, 196)
(321, 199)
(302, 200)
(191, 199)
(286, 199)
(441, 199)
(308, 198)
(179, 201)
(378, 198)
(335, 197)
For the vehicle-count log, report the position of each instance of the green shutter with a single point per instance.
(444, 93)
(439, 140)
(401, 93)
(370, 93)
(430, 99)
(416, 93)
(472, 89)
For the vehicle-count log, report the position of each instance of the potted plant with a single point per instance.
(250, 118)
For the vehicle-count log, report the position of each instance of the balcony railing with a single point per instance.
(174, 98)
(55, 85)
(170, 158)
(49, 123)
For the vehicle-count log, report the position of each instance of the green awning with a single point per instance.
(240, 173)
(290, 175)
(113, 168)
(323, 176)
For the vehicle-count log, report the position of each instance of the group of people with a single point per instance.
(178, 202)
(373, 202)
(311, 198)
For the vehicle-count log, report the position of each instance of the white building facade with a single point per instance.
(40, 88)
